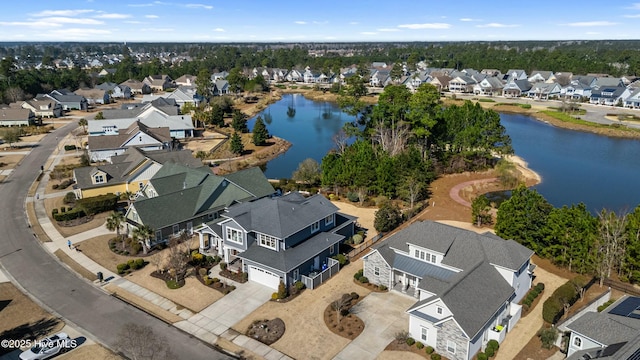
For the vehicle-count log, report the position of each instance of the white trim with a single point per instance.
(315, 226)
(264, 238)
(573, 343)
(228, 236)
(328, 220)
(449, 343)
(424, 334)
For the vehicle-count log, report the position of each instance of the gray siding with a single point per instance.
(306, 233)
(451, 332)
(244, 245)
(376, 260)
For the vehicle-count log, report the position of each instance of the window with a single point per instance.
(421, 255)
(424, 334)
(99, 179)
(328, 220)
(315, 226)
(577, 342)
(433, 258)
(211, 216)
(140, 186)
(417, 253)
(268, 241)
(158, 235)
(376, 271)
(296, 274)
(451, 347)
(234, 235)
(332, 249)
(439, 310)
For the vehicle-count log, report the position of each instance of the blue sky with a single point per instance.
(326, 20)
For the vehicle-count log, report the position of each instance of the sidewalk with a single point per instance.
(209, 325)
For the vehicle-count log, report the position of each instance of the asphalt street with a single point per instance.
(60, 290)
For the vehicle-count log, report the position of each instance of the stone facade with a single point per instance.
(372, 261)
(449, 331)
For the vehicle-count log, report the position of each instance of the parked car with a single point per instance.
(48, 347)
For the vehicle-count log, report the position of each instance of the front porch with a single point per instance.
(405, 283)
(316, 277)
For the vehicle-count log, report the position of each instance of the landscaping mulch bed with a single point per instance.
(345, 324)
(170, 280)
(214, 283)
(235, 276)
(372, 287)
(396, 345)
(266, 331)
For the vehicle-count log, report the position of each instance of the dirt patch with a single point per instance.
(340, 320)
(366, 216)
(209, 141)
(21, 318)
(75, 266)
(534, 351)
(8, 161)
(266, 331)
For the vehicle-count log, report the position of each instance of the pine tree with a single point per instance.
(260, 132)
(236, 144)
(239, 122)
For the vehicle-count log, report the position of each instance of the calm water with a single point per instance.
(310, 131)
(575, 166)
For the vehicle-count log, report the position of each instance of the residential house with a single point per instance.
(219, 75)
(563, 77)
(608, 82)
(107, 71)
(142, 110)
(462, 84)
(514, 74)
(277, 239)
(492, 72)
(17, 117)
(516, 88)
(489, 86)
(220, 87)
(541, 76)
(185, 95)
(67, 99)
(468, 285)
(177, 198)
(116, 91)
(278, 75)
(544, 91)
(294, 75)
(159, 82)
(579, 88)
(380, 78)
(186, 80)
(310, 76)
(94, 96)
(137, 87)
(128, 172)
(102, 148)
(414, 81)
(613, 334)
(441, 82)
(633, 101)
(43, 107)
(609, 96)
(180, 126)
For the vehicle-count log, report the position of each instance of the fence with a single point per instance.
(591, 306)
(353, 254)
(312, 282)
(624, 287)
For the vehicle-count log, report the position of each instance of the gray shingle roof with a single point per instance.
(605, 328)
(291, 258)
(162, 135)
(281, 216)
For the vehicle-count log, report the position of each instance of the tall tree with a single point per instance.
(630, 267)
(236, 145)
(11, 136)
(115, 222)
(481, 211)
(143, 234)
(260, 132)
(611, 243)
(239, 121)
(203, 83)
(308, 172)
(83, 123)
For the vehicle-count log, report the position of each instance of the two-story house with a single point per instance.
(613, 334)
(609, 96)
(43, 107)
(516, 88)
(490, 86)
(177, 198)
(468, 285)
(285, 238)
(544, 91)
(102, 148)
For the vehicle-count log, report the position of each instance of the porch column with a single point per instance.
(404, 282)
(220, 247)
(201, 239)
(416, 292)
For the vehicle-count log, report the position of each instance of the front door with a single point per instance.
(316, 263)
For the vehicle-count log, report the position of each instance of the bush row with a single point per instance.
(566, 294)
(63, 185)
(359, 276)
(489, 351)
(606, 305)
(131, 265)
(532, 295)
(67, 214)
(98, 204)
(428, 349)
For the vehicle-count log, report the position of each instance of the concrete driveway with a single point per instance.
(384, 316)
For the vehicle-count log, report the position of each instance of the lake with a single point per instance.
(575, 166)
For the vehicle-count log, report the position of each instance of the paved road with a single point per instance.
(62, 291)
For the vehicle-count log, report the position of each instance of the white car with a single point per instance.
(48, 347)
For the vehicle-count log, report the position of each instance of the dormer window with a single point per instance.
(315, 227)
(98, 179)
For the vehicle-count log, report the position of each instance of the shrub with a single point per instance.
(358, 274)
(63, 209)
(196, 257)
(69, 147)
(140, 263)
(353, 197)
(540, 286)
(203, 272)
(136, 247)
(489, 351)
(282, 290)
(245, 276)
(364, 280)
(401, 336)
(357, 239)
(482, 356)
(69, 198)
(210, 259)
(494, 344)
(551, 310)
(428, 350)
(435, 356)
(605, 305)
(98, 204)
(68, 215)
(215, 280)
(419, 345)
(382, 287)
(525, 106)
(354, 296)
(54, 212)
(223, 266)
(207, 280)
(172, 284)
(410, 341)
(548, 337)
(333, 197)
(274, 296)
(341, 259)
(122, 268)
(299, 285)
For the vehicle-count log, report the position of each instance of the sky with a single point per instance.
(317, 21)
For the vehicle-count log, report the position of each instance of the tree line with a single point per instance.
(601, 245)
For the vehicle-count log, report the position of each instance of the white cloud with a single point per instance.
(112, 16)
(469, 19)
(354, 23)
(368, 33)
(43, 24)
(76, 33)
(635, 16)
(151, 16)
(634, 6)
(199, 6)
(133, 22)
(219, 30)
(300, 22)
(46, 13)
(591, 23)
(68, 20)
(388, 29)
(497, 25)
(321, 22)
(426, 26)
(157, 29)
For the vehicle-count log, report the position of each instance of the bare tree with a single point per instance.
(341, 304)
(392, 140)
(157, 260)
(362, 194)
(139, 342)
(14, 94)
(340, 139)
(178, 258)
(611, 242)
(411, 188)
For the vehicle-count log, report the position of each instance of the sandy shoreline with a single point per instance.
(523, 167)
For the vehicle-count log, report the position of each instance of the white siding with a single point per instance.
(586, 344)
(415, 325)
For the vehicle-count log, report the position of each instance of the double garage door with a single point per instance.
(264, 277)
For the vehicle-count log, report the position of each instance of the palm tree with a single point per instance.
(114, 223)
(143, 234)
(83, 122)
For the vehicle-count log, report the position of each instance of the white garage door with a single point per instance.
(264, 277)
